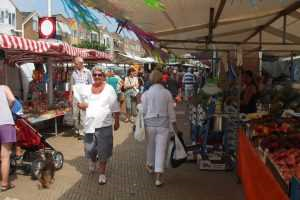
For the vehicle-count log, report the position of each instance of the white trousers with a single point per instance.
(157, 141)
(78, 117)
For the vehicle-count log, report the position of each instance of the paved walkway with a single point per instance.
(127, 179)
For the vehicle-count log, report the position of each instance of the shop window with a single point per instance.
(9, 19)
(35, 25)
(13, 17)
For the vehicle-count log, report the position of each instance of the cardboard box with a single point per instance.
(206, 163)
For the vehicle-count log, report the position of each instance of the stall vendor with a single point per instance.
(37, 87)
(249, 93)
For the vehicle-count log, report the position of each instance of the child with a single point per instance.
(197, 116)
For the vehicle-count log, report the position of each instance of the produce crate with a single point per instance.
(217, 161)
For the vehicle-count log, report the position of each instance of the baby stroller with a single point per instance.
(34, 147)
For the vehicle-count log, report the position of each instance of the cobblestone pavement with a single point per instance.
(127, 179)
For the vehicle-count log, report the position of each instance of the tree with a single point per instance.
(92, 45)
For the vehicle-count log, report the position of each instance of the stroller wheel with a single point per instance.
(36, 169)
(58, 158)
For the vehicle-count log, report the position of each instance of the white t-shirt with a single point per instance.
(100, 107)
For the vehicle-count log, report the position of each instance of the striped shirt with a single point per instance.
(81, 77)
(188, 79)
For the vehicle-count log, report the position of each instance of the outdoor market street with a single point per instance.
(127, 178)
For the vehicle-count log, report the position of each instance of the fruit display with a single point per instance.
(287, 162)
(276, 143)
(280, 138)
(269, 126)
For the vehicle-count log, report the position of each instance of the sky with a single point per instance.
(41, 6)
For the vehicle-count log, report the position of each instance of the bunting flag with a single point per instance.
(73, 24)
(82, 14)
(155, 4)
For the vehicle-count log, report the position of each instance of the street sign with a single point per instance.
(47, 27)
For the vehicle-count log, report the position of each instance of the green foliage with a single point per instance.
(92, 45)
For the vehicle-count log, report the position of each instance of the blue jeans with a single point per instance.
(195, 132)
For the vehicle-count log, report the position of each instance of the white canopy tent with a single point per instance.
(194, 25)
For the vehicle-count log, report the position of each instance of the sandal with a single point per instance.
(7, 187)
(149, 169)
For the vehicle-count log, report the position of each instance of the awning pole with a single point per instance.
(50, 82)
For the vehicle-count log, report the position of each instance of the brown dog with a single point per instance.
(47, 171)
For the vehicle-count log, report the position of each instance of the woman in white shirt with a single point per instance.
(159, 114)
(131, 86)
(100, 103)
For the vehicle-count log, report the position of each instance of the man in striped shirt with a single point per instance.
(188, 82)
(80, 75)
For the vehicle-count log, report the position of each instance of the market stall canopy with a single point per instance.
(193, 25)
(132, 59)
(22, 50)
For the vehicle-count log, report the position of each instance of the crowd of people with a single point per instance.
(100, 102)
(97, 97)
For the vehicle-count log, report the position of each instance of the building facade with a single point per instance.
(27, 24)
(7, 17)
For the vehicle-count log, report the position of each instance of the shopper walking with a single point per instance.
(102, 111)
(131, 86)
(188, 82)
(7, 134)
(81, 76)
(115, 81)
(159, 114)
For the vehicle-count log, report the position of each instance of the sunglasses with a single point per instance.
(98, 75)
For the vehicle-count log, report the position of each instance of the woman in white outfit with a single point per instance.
(99, 101)
(159, 114)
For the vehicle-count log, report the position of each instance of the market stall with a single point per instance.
(269, 145)
(239, 33)
(52, 69)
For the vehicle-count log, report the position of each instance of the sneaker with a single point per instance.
(158, 183)
(92, 166)
(102, 179)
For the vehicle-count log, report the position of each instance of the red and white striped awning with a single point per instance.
(66, 49)
(101, 55)
(19, 49)
(19, 43)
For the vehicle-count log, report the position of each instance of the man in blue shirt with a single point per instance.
(188, 82)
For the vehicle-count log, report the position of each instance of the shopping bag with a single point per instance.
(171, 144)
(139, 133)
(178, 155)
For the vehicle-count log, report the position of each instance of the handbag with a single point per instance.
(139, 133)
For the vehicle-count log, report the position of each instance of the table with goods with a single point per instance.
(37, 108)
(269, 149)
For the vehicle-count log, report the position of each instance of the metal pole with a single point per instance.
(50, 81)
(284, 30)
(49, 8)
